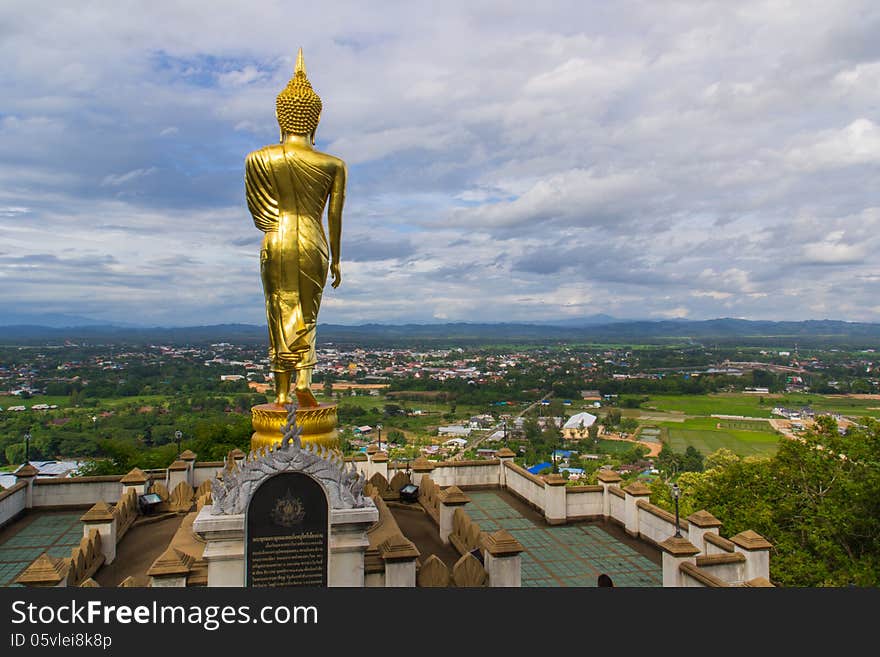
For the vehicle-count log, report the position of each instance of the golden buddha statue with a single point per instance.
(288, 184)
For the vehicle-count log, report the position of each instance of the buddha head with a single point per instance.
(298, 107)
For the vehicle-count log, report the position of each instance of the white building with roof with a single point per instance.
(576, 426)
(55, 468)
(454, 430)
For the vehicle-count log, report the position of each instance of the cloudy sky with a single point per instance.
(506, 161)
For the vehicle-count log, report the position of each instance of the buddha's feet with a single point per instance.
(305, 398)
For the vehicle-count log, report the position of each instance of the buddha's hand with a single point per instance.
(337, 275)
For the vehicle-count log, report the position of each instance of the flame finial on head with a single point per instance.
(300, 63)
(298, 107)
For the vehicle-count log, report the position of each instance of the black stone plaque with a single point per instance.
(287, 526)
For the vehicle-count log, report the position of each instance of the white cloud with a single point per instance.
(857, 143)
(834, 252)
(13, 210)
(115, 180)
(561, 196)
(672, 313)
(506, 161)
(712, 294)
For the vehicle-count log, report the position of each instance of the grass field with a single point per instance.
(616, 446)
(750, 405)
(705, 436)
(722, 404)
(746, 425)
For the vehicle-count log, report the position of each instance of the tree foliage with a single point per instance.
(817, 501)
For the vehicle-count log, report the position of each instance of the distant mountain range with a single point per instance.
(53, 320)
(63, 321)
(597, 328)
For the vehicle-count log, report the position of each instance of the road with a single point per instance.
(476, 443)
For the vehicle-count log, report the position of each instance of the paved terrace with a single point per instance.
(22, 542)
(567, 555)
(57, 532)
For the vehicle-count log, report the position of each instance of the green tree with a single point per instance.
(612, 418)
(692, 461)
(668, 462)
(14, 453)
(556, 408)
(392, 409)
(635, 453)
(720, 458)
(860, 386)
(531, 430)
(629, 424)
(826, 425)
(817, 500)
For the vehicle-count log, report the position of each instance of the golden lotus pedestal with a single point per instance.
(318, 425)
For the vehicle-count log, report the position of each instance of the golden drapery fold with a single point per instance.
(286, 195)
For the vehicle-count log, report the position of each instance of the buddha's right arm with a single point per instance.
(260, 192)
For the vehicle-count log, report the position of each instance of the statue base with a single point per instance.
(318, 425)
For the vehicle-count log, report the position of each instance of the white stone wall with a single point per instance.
(757, 563)
(525, 487)
(711, 548)
(618, 508)
(654, 527)
(78, 492)
(202, 474)
(583, 504)
(466, 475)
(732, 573)
(686, 580)
(12, 504)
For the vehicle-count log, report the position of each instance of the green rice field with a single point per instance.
(710, 434)
(745, 425)
(750, 405)
(721, 404)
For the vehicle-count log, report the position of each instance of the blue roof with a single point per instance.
(564, 453)
(572, 470)
(535, 469)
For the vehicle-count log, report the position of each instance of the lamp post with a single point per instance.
(676, 493)
(178, 435)
(379, 429)
(27, 446)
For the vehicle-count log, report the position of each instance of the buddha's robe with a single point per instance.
(287, 190)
